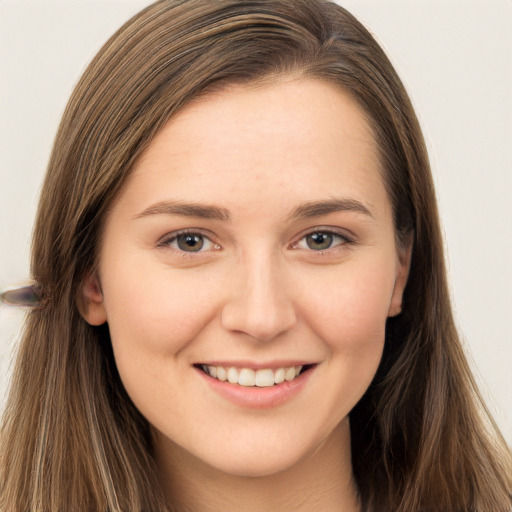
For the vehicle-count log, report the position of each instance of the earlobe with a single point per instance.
(402, 274)
(92, 307)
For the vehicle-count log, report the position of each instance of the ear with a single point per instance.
(402, 274)
(92, 307)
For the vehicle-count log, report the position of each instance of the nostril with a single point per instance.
(260, 303)
(260, 321)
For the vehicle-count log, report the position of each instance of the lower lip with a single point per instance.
(255, 397)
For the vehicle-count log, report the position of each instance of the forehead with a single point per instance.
(297, 138)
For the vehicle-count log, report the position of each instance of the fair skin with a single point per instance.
(288, 261)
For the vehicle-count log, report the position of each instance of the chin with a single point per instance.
(258, 459)
(256, 467)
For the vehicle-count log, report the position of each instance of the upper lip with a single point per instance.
(275, 364)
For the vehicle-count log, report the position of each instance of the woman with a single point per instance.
(246, 305)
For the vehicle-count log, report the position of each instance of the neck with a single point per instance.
(320, 481)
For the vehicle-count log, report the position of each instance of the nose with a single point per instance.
(259, 302)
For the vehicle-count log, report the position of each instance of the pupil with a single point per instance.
(190, 243)
(319, 241)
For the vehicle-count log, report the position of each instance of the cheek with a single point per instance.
(350, 317)
(157, 313)
(152, 320)
(351, 308)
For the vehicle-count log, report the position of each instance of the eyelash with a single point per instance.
(342, 240)
(171, 239)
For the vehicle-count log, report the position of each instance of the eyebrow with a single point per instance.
(318, 208)
(203, 211)
(304, 211)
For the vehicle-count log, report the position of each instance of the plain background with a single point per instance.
(454, 58)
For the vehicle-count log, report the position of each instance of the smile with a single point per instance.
(247, 377)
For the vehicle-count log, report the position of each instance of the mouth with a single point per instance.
(248, 377)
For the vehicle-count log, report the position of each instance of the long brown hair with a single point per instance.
(422, 439)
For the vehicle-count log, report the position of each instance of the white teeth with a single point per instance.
(233, 375)
(264, 378)
(279, 376)
(289, 373)
(249, 378)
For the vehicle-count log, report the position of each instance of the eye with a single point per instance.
(189, 242)
(321, 240)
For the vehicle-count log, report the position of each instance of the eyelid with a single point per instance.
(327, 230)
(166, 240)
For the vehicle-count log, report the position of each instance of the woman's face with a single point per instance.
(253, 242)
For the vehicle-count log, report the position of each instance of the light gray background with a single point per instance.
(454, 57)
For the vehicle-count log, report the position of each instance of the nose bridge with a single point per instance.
(259, 302)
